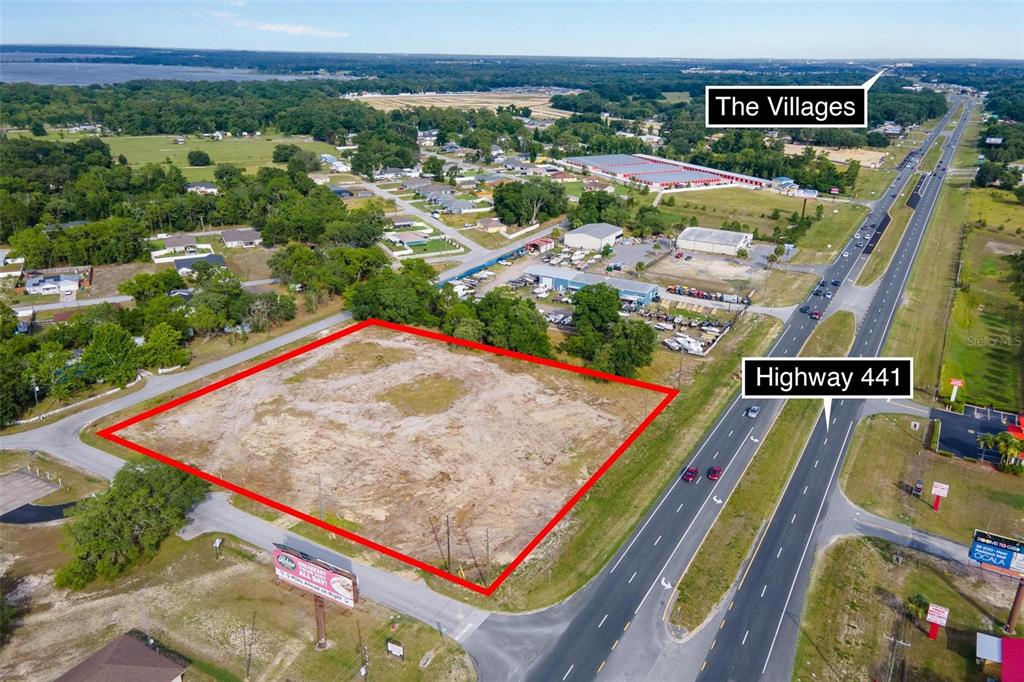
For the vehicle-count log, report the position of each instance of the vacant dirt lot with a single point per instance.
(402, 431)
(537, 102)
(869, 158)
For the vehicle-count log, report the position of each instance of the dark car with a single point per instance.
(714, 473)
(805, 309)
(836, 282)
(817, 292)
(822, 283)
(690, 474)
(860, 245)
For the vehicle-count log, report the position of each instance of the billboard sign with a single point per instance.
(318, 577)
(937, 614)
(833, 190)
(998, 554)
(396, 649)
(940, 489)
(959, 383)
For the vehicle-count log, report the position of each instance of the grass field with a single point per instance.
(857, 598)
(201, 606)
(932, 157)
(721, 555)
(966, 155)
(985, 337)
(872, 183)
(785, 287)
(249, 153)
(713, 207)
(676, 97)
(887, 455)
(918, 328)
(900, 214)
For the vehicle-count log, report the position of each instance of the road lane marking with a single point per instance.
(602, 621)
(615, 645)
(679, 507)
(779, 553)
(631, 578)
(792, 520)
(763, 589)
(807, 544)
(658, 540)
(568, 671)
(601, 667)
(730, 433)
(805, 491)
(628, 622)
(815, 464)
(713, 643)
(745, 637)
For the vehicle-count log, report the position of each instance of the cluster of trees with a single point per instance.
(746, 151)
(1016, 262)
(601, 207)
(887, 103)
(590, 134)
(839, 137)
(606, 341)
(529, 202)
(112, 240)
(327, 271)
(992, 174)
(296, 157)
(97, 345)
(1012, 147)
(198, 157)
(112, 532)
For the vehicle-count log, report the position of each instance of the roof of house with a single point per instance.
(599, 230)
(410, 236)
(123, 660)
(713, 236)
(213, 259)
(177, 240)
(409, 219)
(246, 234)
(39, 279)
(201, 185)
(490, 222)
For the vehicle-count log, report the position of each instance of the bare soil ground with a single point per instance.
(401, 432)
(538, 103)
(105, 278)
(869, 158)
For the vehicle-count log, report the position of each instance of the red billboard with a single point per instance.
(318, 577)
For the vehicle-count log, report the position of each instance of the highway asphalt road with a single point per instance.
(637, 584)
(758, 636)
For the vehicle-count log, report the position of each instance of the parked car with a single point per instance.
(690, 474)
(714, 473)
(688, 258)
(753, 411)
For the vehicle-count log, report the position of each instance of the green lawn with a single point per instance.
(872, 182)
(985, 335)
(887, 455)
(833, 337)
(784, 287)
(754, 208)
(673, 97)
(249, 153)
(858, 596)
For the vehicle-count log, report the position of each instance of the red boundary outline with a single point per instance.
(110, 432)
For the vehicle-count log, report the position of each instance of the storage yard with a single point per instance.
(401, 431)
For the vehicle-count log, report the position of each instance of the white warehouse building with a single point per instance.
(593, 236)
(710, 240)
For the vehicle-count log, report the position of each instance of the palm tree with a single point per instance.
(1009, 448)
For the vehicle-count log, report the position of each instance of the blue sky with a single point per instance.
(819, 29)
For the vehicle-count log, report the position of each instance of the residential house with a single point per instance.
(595, 185)
(180, 243)
(562, 176)
(52, 284)
(244, 238)
(491, 225)
(126, 658)
(202, 188)
(185, 266)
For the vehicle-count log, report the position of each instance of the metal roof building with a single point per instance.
(572, 280)
(710, 240)
(660, 173)
(593, 236)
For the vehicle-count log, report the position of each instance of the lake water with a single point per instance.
(83, 73)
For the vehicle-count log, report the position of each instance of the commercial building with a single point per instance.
(126, 658)
(564, 279)
(593, 236)
(658, 173)
(709, 240)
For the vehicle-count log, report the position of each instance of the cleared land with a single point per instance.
(733, 276)
(858, 597)
(201, 606)
(404, 431)
(868, 157)
(887, 455)
(538, 103)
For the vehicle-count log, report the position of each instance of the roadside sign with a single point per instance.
(959, 383)
(319, 577)
(937, 614)
(998, 554)
(396, 649)
(834, 190)
(940, 489)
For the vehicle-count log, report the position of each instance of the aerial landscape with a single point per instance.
(511, 341)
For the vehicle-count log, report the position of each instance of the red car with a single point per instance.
(816, 315)
(690, 474)
(714, 473)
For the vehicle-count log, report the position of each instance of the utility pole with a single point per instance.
(448, 520)
(1018, 601)
(487, 551)
(320, 495)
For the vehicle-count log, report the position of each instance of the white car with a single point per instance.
(543, 294)
(846, 254)
(857, 236)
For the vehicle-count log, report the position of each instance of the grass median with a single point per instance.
(721, 555)
(880, 258)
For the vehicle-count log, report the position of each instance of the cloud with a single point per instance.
(291, 29)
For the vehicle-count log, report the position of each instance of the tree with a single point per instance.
(1016, 261)
(741, 253)
(197, 157)
(434, 167)
(514, 323)
(407, 297)
(15, 389)
(163, 348)
(1019, 193)
(38, 129)
(111, 356)
(113, 531)
(8, 321)
(144, 286)
(205, 321)
(1010, 449)
(525, 203)
(47, 367)
(630, 346)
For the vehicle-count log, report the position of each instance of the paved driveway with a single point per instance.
(20, 488)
